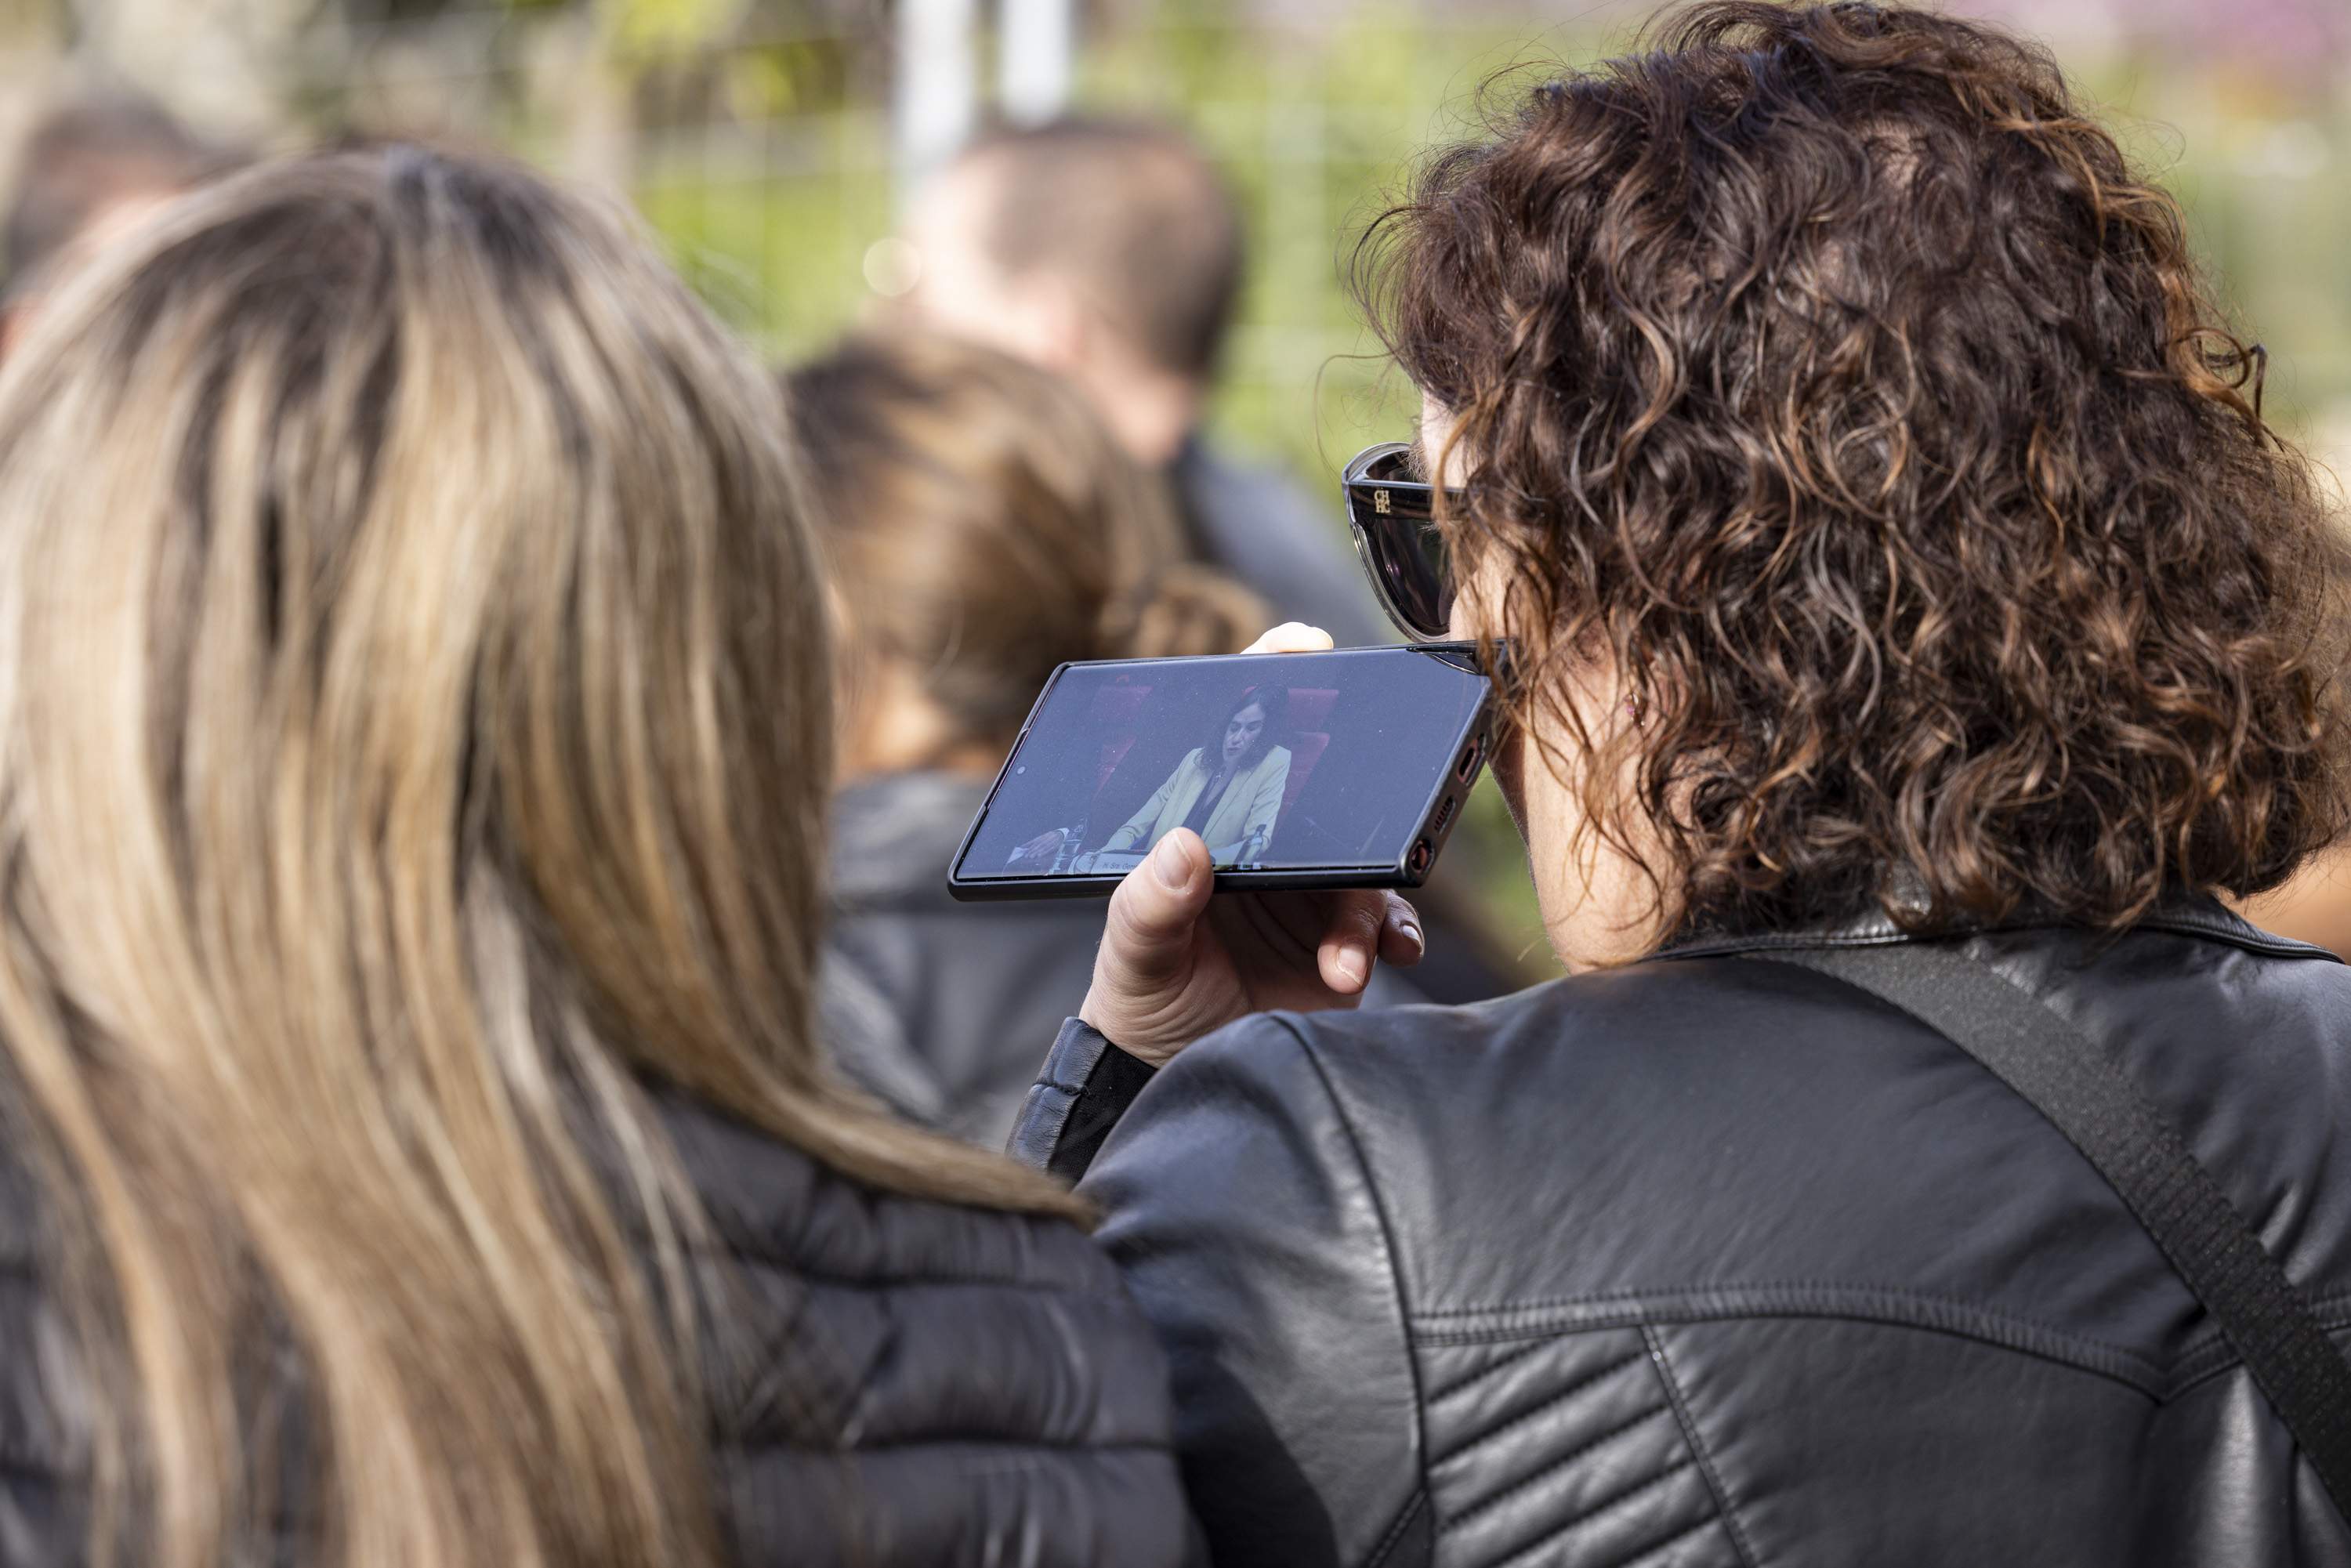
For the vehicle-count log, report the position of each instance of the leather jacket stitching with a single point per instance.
(1822, 1289)
(1888, 1305)
(1615, 1499)
(1535, 1346)
(1675, 1539)
(1545, 1406)
(1620, 1429)
(1396, 1530)
(2211, 923)
(1738, 1532)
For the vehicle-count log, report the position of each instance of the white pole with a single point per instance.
(1033, 66)
(937, 86)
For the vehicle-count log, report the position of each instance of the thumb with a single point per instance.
(1149, 931)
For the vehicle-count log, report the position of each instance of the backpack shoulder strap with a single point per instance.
(2028, 1046)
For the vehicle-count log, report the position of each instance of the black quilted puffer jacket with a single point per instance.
(944, 1386)
(1712, 1262)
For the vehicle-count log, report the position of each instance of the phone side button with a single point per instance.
(1418, 861)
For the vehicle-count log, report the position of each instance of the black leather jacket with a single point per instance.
(1713, 1261)
(935, 1386)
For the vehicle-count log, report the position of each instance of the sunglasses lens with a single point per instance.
(1406, 556)
(1419, 585)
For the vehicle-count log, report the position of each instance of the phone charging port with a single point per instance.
(1444, 814)
(1469, 762)
(1418, 861)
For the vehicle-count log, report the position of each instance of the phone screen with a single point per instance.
(1286, 763)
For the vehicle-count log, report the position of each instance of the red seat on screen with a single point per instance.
(1115, 710)
(1305, 751)
(1309, 709)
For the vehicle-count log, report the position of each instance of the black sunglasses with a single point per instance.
(1392, 511)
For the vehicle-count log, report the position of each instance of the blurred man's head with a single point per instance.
(1109, 250)
(91, 167)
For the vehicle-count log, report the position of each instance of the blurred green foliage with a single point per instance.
(1317, 124)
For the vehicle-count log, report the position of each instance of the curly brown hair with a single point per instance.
(1832, 373)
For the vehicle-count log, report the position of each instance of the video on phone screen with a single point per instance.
(1278, 764)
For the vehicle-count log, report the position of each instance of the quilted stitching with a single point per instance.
(1567, 1450)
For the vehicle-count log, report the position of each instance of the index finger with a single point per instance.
(1292, 637)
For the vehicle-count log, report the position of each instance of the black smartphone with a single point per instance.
(1340, 769)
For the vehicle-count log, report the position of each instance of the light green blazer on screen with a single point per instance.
(1250, 801)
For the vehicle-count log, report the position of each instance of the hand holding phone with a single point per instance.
(1175, 963)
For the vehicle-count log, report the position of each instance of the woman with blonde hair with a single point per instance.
(983, 526)
(415, 718)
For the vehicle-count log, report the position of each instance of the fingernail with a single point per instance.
(1172, 865)
(1353, 965)
(1412, 933)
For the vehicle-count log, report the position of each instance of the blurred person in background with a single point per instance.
(983, 527)
(415, 717)
(92, 166)
(1111, 251)
(1915, 626)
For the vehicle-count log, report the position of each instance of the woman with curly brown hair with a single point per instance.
(1900, 584)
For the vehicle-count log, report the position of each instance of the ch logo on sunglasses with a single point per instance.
(1380, 502)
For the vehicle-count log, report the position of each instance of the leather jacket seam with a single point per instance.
(1535, 1343)
(1396, 1266)
(2249, 938)
(1551, 1401)
(1713, 1478)
(1883, 1305)
(1616, 1499)
(1558, 1463)
(1550, 1404)
(1396, 1530)
(1826, 1289)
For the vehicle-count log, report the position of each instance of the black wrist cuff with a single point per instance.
(1086, 1086)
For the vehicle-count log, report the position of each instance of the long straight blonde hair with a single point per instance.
(413, 735)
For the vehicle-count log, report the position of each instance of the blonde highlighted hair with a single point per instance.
(414, 729)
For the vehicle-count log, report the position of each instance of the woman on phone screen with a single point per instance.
(1228, 791)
